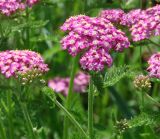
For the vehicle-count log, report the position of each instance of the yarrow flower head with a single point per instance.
(61, 85)
(113, 15)
(143, 23)
(8, 7)
(22, 63)
(95, 59)
(132, 17)
(154, 65)
(95, 35)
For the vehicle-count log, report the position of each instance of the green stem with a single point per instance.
(152, 99)
(142, 101)
(28, 121)
(155, 88)
(140, 53)
(26, 115)
(153, 42)
(27, 29)
(90, 109)
(71, 118)
(2, 131)
(149, 49)
(69, 96)
(9, 114)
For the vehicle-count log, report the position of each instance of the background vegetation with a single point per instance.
(117, 102)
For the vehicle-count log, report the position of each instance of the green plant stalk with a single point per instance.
(153, 100)
(9, 115)
(27, 29)
(2, 131)
(140, 53)
(28, 121)
(26, 115)
(71, 118)
(90, 110)
(155, 88)
(156, 44)
(142, 101)
(69, 96)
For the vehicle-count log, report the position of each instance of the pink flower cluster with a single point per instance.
(61, 85)
(8, 7)
(154, 65)
(148, 25)
(113, 15)
(94, 35)
(17, 62)
(142, 23)
(132, 17)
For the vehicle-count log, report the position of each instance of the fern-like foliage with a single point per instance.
(141, 120)
(98, 82)
(147, 118)
(31, 24)
(115, 74)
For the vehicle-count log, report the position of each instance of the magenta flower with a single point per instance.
(8, 7)
(154, 65)
(61, 85)
(143, 23)
(31, 2)
(16, 63)
(81, 82)
(113, 15)
(132, 17)
(95, 59)
(93, 34)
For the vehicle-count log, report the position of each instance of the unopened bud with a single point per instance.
(121, 126)
(142, 82)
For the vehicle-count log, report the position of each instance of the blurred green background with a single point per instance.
(111, 105)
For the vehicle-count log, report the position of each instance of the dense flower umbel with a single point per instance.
(95, 59)
(61, 85)
(8, 7)
(22, 63)
(154, 65)
(132, 17)
(93, 34)
(143, 23)
(113, 15)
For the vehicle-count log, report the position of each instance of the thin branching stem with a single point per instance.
(2, 130)
(69, 96)
(27, 29)
(140, 53)
(142, 101)
(26, 115)
(9, 114)
(152, 99)
(71, 118)
(90, 109)
(156, 44)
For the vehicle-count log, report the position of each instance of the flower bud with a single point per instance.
(142, 83)
(121, 126)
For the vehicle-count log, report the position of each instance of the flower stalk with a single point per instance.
(27, 29)
(26, 114)
(90, 109)
(69, 96)
(2, 131)
(9, 114)
(71, 118)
